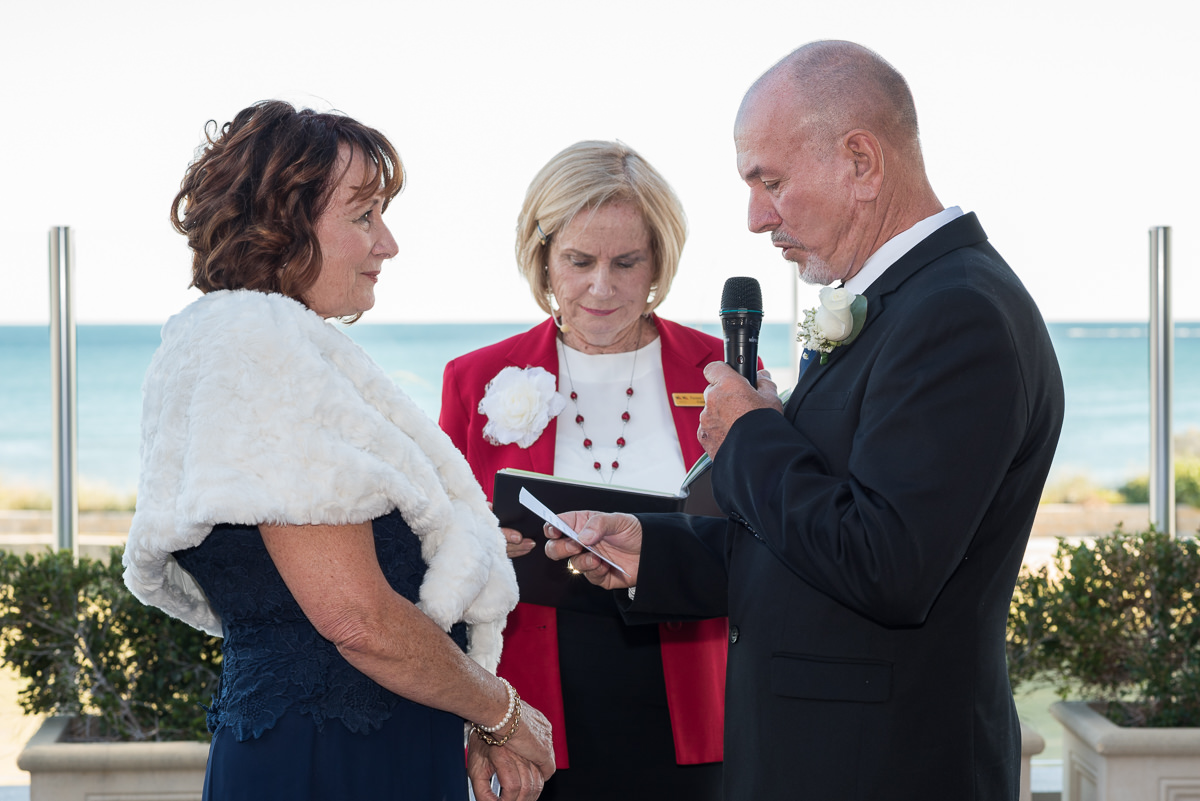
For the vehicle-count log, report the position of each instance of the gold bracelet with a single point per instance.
(490, 739)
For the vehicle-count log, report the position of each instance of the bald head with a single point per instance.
(833, 87)
(827, 142)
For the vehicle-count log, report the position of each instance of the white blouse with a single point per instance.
(651, 458)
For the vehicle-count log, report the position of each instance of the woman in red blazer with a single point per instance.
(637, 711)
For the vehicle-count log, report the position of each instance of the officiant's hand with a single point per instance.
(617, 536)
(515, 545)
(521, 765)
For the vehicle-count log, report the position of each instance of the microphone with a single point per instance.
(741, 318)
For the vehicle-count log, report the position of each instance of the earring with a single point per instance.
(556, 316)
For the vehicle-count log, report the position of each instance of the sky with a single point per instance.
(1066, 125)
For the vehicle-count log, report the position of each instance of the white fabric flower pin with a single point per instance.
(519, 404)
(835, 322)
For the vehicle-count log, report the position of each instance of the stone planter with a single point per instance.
(1106, 762)
(61, 771)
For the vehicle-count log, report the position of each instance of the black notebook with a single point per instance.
(543, 581)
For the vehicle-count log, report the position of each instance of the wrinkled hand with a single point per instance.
(515, 545)
(522, 764)
(727, 397)
(617, 536)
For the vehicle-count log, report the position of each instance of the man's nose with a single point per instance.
(761, 216)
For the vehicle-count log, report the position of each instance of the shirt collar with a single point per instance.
(897, 246)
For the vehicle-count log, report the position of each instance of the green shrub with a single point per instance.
(1187, 485)
(1114, 620)
(1136, 490)
(1078, 489)
(1187, 482)
(93, 496)
(90, 648)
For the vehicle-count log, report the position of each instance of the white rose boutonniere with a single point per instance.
(519, 405)
(835, 322)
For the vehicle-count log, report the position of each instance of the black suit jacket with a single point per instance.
(876, 530)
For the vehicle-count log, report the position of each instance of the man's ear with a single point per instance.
(867, 154)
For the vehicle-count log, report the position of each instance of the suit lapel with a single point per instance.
(963, 231)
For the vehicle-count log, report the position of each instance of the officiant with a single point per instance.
(603, 390)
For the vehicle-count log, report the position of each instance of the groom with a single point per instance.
(877, 521)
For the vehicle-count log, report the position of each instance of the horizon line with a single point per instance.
(365, 321)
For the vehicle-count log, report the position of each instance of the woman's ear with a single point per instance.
(867, 153)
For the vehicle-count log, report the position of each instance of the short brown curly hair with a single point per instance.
(249, 203)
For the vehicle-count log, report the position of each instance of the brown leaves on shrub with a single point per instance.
(1114, 620)
(90, 648)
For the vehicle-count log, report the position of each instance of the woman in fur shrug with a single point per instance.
(295, 501)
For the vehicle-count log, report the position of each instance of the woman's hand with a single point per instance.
(521, 765)
(515, 545)
(617, 536)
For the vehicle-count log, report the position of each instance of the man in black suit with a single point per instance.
(877, 521)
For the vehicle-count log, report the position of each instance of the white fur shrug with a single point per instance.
(255, 410)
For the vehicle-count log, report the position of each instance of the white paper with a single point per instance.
(538, 508)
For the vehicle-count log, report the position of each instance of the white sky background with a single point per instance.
(1067, 125)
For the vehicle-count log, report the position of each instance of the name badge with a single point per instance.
(687, 398)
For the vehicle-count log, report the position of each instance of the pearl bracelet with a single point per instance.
(513, 701)
(492, 740)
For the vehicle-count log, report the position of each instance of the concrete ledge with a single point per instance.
(46, 753)
(1098, 520)
(1109, 739)
(22, 521)
(23, 532)
(20, 527)
(61, 771)
(1105, 762)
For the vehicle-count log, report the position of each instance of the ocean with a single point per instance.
(1106, 434)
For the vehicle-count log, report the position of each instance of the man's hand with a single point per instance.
(617, 536)
(727, 398)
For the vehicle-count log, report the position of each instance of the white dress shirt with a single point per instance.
(897, 246)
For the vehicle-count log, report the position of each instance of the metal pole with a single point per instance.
(1162, 365)
(63, 389)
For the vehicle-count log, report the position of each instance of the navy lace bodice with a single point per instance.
(274, 660)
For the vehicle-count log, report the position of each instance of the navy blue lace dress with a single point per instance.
(291, 718)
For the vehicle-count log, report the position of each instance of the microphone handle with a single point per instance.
(741, 343)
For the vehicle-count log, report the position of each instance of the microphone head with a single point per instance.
(741, 294)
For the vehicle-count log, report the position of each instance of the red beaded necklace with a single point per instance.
(574, 396)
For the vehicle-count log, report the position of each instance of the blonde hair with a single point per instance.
(585, 176)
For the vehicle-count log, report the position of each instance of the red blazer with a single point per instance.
(693, 653)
